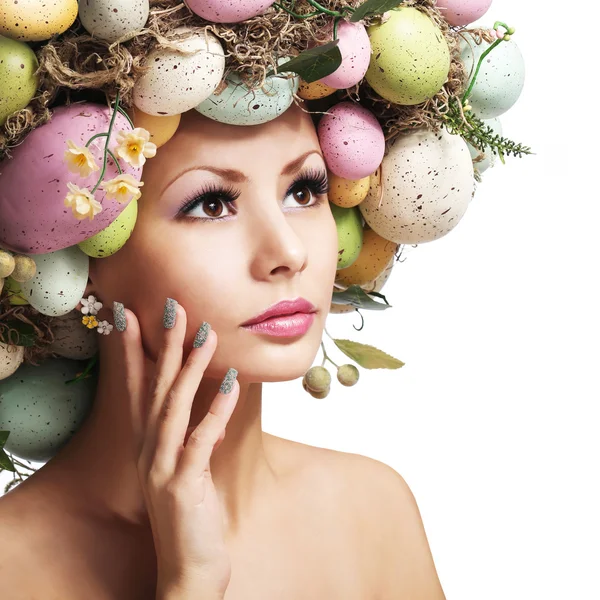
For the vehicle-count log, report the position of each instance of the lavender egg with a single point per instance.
(219, 11)
(463, 12)
(33, 183)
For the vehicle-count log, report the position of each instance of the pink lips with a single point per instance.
(286, 318)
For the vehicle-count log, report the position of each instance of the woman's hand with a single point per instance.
(174, 472)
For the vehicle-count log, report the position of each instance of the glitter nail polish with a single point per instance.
(119, 316)
(170, 313)
(228, 381)
(201, 335)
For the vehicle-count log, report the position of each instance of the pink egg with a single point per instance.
(33, 183)
(463, 12)
(352, 140)
(220, 11)
(356, 54)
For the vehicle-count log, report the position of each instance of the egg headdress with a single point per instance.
(405, 98)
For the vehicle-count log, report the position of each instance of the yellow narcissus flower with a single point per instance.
(82, 202)
(134, 147)
(123, 187)
(90, 321)
(80, 160)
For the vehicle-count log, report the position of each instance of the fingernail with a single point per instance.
(170, 313)
(228, 381)
(201, 335)
(119, 316)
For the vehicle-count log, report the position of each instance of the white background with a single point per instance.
(493, 421)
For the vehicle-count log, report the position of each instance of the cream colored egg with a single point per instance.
(7, 263)
(72, 339)
(11, 358)
(112, 238)
(24, 268)
(347, 192)
(315, 90)
(34, 21)
(110, 20)
(176, 82)
(161, 129)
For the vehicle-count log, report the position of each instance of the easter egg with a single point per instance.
(355, 48)
(18, 64)
(374, 256)
(110, 20)
(59, 283)
(352, 140)
(315, 90)
(349, 232)
(347, 192)
(489, 156)
(463, 12)
(501, 76)
(33, 183)
(161, 129)
(7, 263)
(410, 58)
(72, 339)
(11, 358)
(13, 292)
(112, 238)
(220, 11)
(237, 105)
(427, 182)
(34, 21)
(40, 411)
(176, 82)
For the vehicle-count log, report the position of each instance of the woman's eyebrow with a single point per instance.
(239, 177)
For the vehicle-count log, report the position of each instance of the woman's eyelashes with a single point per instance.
(309, 185)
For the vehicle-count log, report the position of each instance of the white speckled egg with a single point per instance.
(34, 21)
(72, 339)
(177, 82)
(59, 282)
(11, 358)
(237, 105)
(500, 79)
(410, 57)
(40, 411)
(227, 11)
(427, 186)
(111, 19)
(490, 157)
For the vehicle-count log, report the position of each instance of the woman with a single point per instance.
(232, 221)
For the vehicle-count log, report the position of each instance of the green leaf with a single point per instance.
(373, 7)
(25, 332)
(358, 298)
(367, 356)
(5, 462)
(314, 63)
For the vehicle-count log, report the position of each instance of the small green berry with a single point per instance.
(348, 374)
(317, 379)
(319, 395)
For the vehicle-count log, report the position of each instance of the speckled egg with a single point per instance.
(410, 58)
(427, 186)
(111, 19)
(347, 192)
(72, 339)
(33, 183)
(350, 233)
(220, 11)
(237, 105)
(34, 21)
(40, 411)
(500, 79)
(490, 157)
(161, 129)
(18, 65)
(355, 47)
(176, 82)
(14, 293)
(463, 12)
(11, 358)
(314, 90)
(374, 256)
(352, 140)
(59, 282)
(113, 238)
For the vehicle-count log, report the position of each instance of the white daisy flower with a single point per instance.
(90, 306)
(104, 327)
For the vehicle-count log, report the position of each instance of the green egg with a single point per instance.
(18, 64)
(112, 238)
(350, 234)
(410, 58)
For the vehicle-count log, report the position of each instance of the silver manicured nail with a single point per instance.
(170, 313)
(228, 381)
(201, 335)
(119, 316)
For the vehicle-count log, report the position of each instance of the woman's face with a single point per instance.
(267, 234)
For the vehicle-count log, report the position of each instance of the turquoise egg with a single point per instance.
(40, 411)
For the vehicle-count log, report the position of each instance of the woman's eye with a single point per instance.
(303, 194)
(210, 208)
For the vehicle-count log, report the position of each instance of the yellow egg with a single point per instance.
(14, 293)
(314, 90)
(373, 259)
(347, 192)
(112, 238)
(34, 21)
(161, 129)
